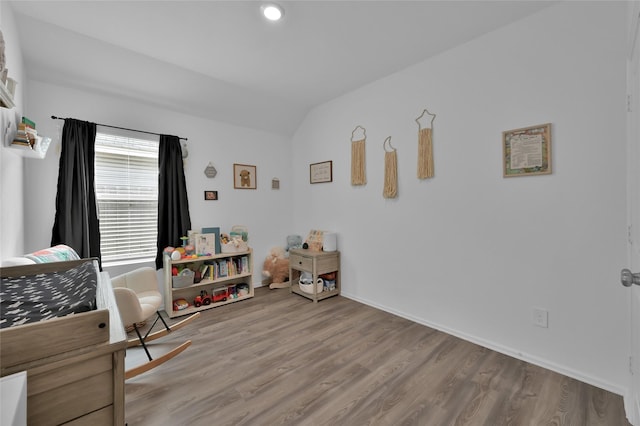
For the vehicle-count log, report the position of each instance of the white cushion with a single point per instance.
(16, 261)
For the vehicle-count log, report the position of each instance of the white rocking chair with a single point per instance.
(138, 298)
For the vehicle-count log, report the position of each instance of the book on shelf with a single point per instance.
(232, 267)
(25, 136)
(26, 131)
(204, 270)
(18, 140)
(26, 128)
(28, 122)
(223, 269)
(214, 271)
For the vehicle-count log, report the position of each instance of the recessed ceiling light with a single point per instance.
(272, 11)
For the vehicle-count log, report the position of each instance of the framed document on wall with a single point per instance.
(527, 151)
(321, 172)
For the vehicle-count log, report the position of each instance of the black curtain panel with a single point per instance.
(173, 205)
(76, 221)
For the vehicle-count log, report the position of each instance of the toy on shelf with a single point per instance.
(293, 242)
(180, 304)
(232, 292)
(220, 294)
(172, 252)
(243, 289)
(203, 299)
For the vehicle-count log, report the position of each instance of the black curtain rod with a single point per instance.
(121, 128)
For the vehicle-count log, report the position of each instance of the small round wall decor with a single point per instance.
(210, 171)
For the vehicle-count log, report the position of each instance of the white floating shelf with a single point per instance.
(39, 150)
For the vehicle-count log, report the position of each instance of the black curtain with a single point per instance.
(173, 205)
(76, 221)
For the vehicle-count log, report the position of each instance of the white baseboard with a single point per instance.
(561, 369)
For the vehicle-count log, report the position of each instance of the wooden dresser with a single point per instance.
(74, 364)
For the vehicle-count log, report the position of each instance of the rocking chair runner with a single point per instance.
(138, 298)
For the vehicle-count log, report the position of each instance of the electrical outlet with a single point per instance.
(541, 317)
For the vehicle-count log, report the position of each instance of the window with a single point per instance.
(126, 181)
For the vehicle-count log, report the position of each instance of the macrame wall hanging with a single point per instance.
(425, 145)
(358, 157)
(390, 170)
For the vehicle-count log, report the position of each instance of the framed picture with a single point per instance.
(244, 176)
(211, 195)
(216, 231)
(321, 172)
(527, 151)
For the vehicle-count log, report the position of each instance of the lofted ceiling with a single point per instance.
(221, 60)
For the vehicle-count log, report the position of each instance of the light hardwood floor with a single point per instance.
(280, 359)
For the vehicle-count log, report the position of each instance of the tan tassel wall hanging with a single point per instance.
(358, 158)
(425, 147)
(390, 171)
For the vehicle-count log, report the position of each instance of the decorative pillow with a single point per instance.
(57, 253)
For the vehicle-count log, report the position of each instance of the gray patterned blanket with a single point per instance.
(39, 297)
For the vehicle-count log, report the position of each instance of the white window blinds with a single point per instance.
(126, 182)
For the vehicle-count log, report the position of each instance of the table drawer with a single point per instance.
(301, 263)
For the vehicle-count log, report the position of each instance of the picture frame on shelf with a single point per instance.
(216, 231)
(244, 176)
(321, 172)
(527, 151)
(206, 244)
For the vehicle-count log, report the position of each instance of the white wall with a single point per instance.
(264, 211)
(471, 252)
(11, 165)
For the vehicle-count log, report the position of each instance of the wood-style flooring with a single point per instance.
(279, 359)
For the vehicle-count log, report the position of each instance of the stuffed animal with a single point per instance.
(276, 267)
(294, 242)
(245, 178)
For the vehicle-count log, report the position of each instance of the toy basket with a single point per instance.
(241, 231)
(308, 288)
(236, 245)
(184, 279)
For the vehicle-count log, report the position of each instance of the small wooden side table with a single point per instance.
(316, 263)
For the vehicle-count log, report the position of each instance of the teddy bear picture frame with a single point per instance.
(244, 176)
